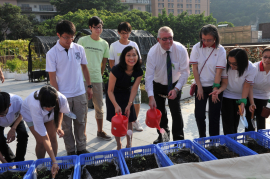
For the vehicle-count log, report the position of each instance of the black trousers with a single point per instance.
(174, 105)
(230, 118)
(213, 113)
(22, 140)
(260, 103)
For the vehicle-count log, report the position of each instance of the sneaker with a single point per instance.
(137, 126)
(71, 153)
(104, 136)
(82, 152)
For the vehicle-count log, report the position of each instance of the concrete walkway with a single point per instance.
(94, 144)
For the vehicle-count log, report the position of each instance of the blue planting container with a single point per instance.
(258, 137)
(173, 146)
(21, 166)
(63, 163)
(265, 132)
(223, 140)
(143, 150)
(98, 158)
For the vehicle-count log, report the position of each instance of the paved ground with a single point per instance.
(94, 144)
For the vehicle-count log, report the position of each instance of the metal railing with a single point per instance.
(26, 9)
(137, 1)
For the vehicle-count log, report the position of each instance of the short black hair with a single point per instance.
(4, 101)
(241, 58)
(95, 20)
(65, 26)
(266, 49)
(122, 60)
(210, 30)
(125, 26)
(48, 97)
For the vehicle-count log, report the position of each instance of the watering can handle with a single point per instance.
(155, 110)
(119, 115)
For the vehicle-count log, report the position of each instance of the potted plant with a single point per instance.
(21, 70)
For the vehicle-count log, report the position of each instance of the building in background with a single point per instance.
(142, 5)
(41, 8)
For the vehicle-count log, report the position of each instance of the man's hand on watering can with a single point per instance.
(118, 110)
(152, 102)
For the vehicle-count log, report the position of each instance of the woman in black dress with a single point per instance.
(122, 88)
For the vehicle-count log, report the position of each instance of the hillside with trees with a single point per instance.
(241, 12)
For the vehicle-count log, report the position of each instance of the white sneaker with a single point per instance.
(137, 126)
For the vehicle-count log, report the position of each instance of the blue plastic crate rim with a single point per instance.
(170, 147)
(24, 166)
(265, 132)
(64, 162)
(223, 140)
(246, 136)
(143, 150)
(98, 158)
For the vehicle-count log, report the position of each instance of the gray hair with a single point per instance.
(164, 29)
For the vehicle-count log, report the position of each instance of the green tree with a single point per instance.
(65, 6)
(225, 22)
(12, 21)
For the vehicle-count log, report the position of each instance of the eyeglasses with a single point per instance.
(122, 33)
(67, 38)
(97, 27)
(265, 57)
(4, 114)
(207, 40)
(165, 39)
(233, 64)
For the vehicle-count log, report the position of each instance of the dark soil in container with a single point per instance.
(12, 175)
(253, 145)
(182, 156)
(62, 173)
(106, 170)
(141, 163)
(221, 152)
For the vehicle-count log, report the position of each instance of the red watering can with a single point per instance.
(119, 125)
(153, 117)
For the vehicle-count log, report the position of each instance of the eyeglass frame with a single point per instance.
(231, 63)
(97, 27)
(68, 38)
(265, 57)
(165, 38)
(208, 40)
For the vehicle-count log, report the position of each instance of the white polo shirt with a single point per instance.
(261, 87)
(13, 111)
(32, 112)
(156, 66)
(116, 49)
(68, 68)
(216, 60)
(235, 83)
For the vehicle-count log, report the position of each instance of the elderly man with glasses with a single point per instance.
(167, 70)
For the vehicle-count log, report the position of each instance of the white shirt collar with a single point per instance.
(164, 51)
(61, 48)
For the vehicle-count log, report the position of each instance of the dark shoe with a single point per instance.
(82, 152)
(71, 153)
(104, 136)
(158, 140)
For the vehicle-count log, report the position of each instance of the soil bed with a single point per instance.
(253, 145)
(12, 175)
(62, 173)
(141, 163)
(106, 170)
(221, 152)
(182, 156)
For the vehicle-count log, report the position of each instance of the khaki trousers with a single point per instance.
(77, 105)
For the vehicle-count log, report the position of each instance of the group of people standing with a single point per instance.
(76, 69)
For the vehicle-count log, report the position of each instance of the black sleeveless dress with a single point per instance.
(122, 91)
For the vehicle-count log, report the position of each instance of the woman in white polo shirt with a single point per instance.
(208, 59)
(236, 81)
(43, 112)
(260, 93)
(10, 106)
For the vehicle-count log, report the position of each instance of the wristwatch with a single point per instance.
(90, 86)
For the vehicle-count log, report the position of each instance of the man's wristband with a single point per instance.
(216, 85)
(243, 100)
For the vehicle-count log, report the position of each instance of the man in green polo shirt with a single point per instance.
(97, 53)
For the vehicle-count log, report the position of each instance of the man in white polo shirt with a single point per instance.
(65, 63)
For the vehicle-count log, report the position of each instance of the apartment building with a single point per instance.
(142, 5)
(178, 6)
(41, 8)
